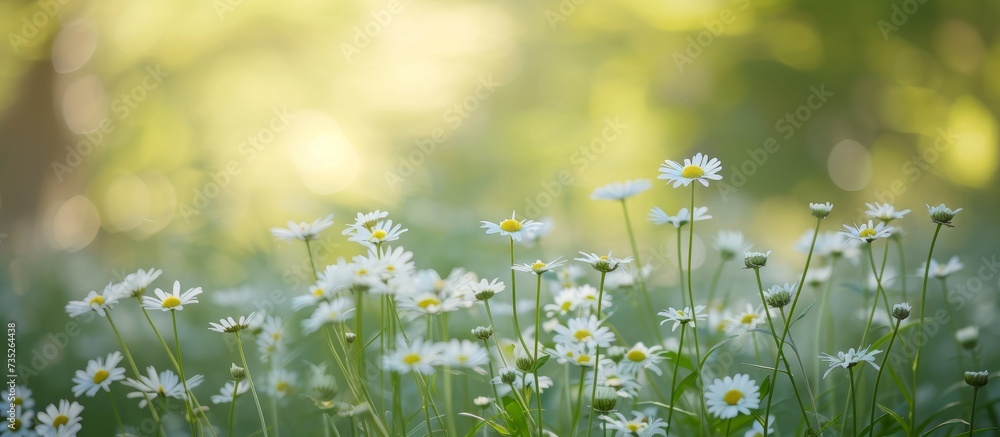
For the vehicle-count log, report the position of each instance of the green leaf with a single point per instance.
(517, 416)
(768, 368)
(945, 423)
(828, 424)
(878, 419)
(713, 349)
(899, 419)
(682, 360)
(900, 385)
(939, 412)
(688, 380)
(765, 388)
(496, 426)
(804, 312)
(539, 363)
(662, 405)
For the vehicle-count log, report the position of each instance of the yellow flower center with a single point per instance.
(583, 359)
(60, 420)
(100, 376)
(566, 306)
(732, 397)
(16, 425)
(18, 401)
(96, 299)
(634, 427)
(510, 225)
(332, 315)
(636, 355)
(462, 358)
(378, 234)
(411, 359)
(171, 302)
(427, 302)
(582, 334)
(604, 257)
(681, 314)
(362, 272)
(867, 233)
(318, 292)
(692, 172)
(282, 386)
(748, 319)
(538, 265)
(160, 390)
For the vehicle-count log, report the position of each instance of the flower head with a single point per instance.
(640, 357)
(174, 301)
(901, 311)
(758, 430)
(94, 301)
(98, 375)
(584, 330)
(977, 379)
(867, 232)
(640, 425)
(486, 289)
(683, 217)
(683, 317)
(365, 221)
(621, 190)
(968, 336)
(134, 284)
(820, 210)
(303, 231)
(780, 295)
(884, 212)
(231, 390)
(942, 214)
(230, 325)
(605, 399)
(730, 243)
(603, 263)
(511, 227)
(334, 311)
(418, 356)
(849, 359)
(941, 271)
(732, 396)
(755, 260)
(382, 232)
(57, 420)
(538, 267)
(165, 384)
(700, 168)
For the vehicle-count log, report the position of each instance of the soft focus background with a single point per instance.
(175, 134)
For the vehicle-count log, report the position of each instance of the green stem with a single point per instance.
(513, 296)
(951, 322)
(180, 367)
(715, 280)
(878, 378)
(680, 271)
(878, 289)
(114, 408)
(694, 329)
(673, 378)
(902, 266)
(972, 419)
(854, 404)
(496, 339)
(274, 407)
(423, 399)
(135, 371)
(923, 300)
(538, 330)
(253, 390)
(597, 357)
(579, 401)
(232, 407)
(729, 426)
(312, 263)
(650, 312)
(448, 391)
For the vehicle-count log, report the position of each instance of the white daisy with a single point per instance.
(538, 267)
(588, 298)
(21, 398)
(533, 235)
(683, 217)
(603, 263)
(819, 275)
(521, 381)
(867, 231)
(486, 289)
(226, 392)
(942, 214)
(94, 301)
(621, 190)
(567, 300)
(134, 284)
(745, 321)
(758, 430)
(731, 243)
(945, 270)
(98, 375)
(700, 168)
(780, 295)
(270, 339)
(418, 357)
(365, 221)
(395, 262)
(229, 325)
(849, 359)
(55, 419)
(511, 227)
(820, 210)
(833, 245)
(464, 353)
(382, 232)
(884, 212)
(640, 357)
(639, 426)
(280, 383)
(303, 231)
(584, 330)
(578, 354)
(174, 301)
(683, 317)
(968, 336)
(334, 311)
(21, 425)
(165, 384)
(732, 396)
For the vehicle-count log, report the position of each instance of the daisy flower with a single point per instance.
(780, 295)
(21, 425)
(683, 217)
(732, 396)
(271, 337)
(55, 419)
(700, 168)
(819, 275)
(395, 262)
(588, 298)
(640, 357)
(486, 289)
(173, 301)
(968, 336)
(884, 212)
(229, 325)
(821, 210)
(225, 395)
(281, 383)
(165, 384)
(758, 429)
(579, 354)
(609, 374)
(365, 221)
(382, 232)
(584, 330)
(640, 425)
(511, 227)
(867, 231)
(98, 375)
(538, 267)
(849, 359)
(97, 302)
(683, 317)
(21, 398)
(942, 214)
(565, 302)
(418, 356)
(621, 190)
(731, 243)
(519, 380)
(945, 270)
(334, 311)
(134, 284)
(603, 263)
(464, 353)
(303, 231)
(746, 321)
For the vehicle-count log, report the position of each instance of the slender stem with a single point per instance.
(423, 399)
(951, 322)
(729, 425)
(923, 300)
(448, 390)
(597, 357)
(232, 407)
(579, 401)
(274, 406)
(680, 270)
(135, 371)
(180, 366)
(902, 265)
(359, 319)
(538, 330)
(496, 394)
(878, 288)
(878, 378)
(312, 262)
(715, 280)
(650, 312)
(513, 297)
(496, 339)
(854, 404)
(114, 408)
(694, 329)
(972, 419)
(673, 378)
(253, 390)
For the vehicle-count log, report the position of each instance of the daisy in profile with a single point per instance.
(731, 243)
(418, 356)
(98, 375)
(174, 301)
(334, 311)
(941, 271)
(621, 190)
(639, 426)
(603, 263)
(135, 284)
(165, 384)
(538, 267)
(849, 359)
(229, 325)
(683, 217)
(584, 330)
(884, 212)
(94, 301)
(486, 289)
(230, 390)
(700, 168)
(942, 214)
(511, 227)
(732, 396)
(683, 317)
(365, 221)
(867, 232)
(382, 232)
(303, 231)
(62, 419)
(519, 380)
(640, 357)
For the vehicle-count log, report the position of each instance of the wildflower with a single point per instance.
(94, 301)
(640, 357)
(482, 332)
(603, 263)
(579, 354)
(165, 384)
(134, 284)
(464, 353)
(418, 356)
(819, 275)
(683, 217)
(281, 383)
(520, 380)
(173, 301)
(758, 429)
(779, 295)
(365, 221)
(901, 311)
(538, 267)
(942, 214)
(482, 401)
(867, 231)
(19, 398)
(588, 295)
(747, 320)
(942, 271)
(621, 190)
(755, 260)
(820, 210)
(334, 311)
(230, 325)
(732, 396)
(270, 337)
(511, 227)
(849, 359)
(884, 212)
(584, 330)
(303, 231)
(605, 399)
(382, 232)
(968, 337)
(700, 168)
(57, 419)
(683, 317)
(485, 289)
(730, 243)
(20, 426)
(226, 392)
(237, 372)
(640, 425)
(977, 379)
(98, 375)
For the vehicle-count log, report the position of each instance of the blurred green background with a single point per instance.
(175, 134)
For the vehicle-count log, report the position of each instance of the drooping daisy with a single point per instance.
(639, 426)
(511, 227)
(621, 190)
(98, 375)
(884, 212)
(758, 430)
(942, 214)
(226, 392)
(174, 301)
(334, 311)
(55, 419)
(303, 231)
(382, 232)
(584, 330)
(849, 359)
(603, 263)
(464, 353)
(134, 284)
(731, 243)
(640, 357)
(165, 384)
(941, 271)
(230, 325)
(365, 221)
(97, 302)
(683, 217)
(418, 356)
(700, 168)
(683, 317)
(732, 396)
(867, 232)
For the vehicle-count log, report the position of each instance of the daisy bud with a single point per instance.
(977, 379)
(485, 294)
(483, 332)
(508, 375)
(901, 311)
(942, 214)
(350, 337)
(778, 299)
(605, 399)
(237, 372)
(616, 353)
(482, 401)
(755, 260)
(524, 363)
(968, 337)
(820, 210)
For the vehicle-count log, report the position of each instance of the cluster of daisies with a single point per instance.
(390, 361)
